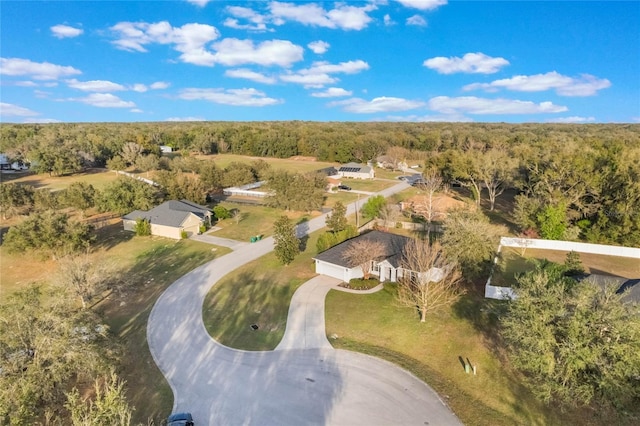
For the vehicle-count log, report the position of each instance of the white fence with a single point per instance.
(494, 292)
(247, 190)
(140, 178)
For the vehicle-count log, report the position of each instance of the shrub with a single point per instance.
(361, 284)
(221, 212)
(142, 227)
(183, 234)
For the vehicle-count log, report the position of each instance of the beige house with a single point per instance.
(171, 218)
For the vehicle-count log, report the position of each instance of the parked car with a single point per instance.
(344, 187)
(180, 419)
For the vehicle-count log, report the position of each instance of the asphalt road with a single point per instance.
(303, 382)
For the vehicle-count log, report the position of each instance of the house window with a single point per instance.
(375, 267)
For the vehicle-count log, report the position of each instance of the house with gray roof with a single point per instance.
(356, 171)
(171, 218)
(332, 262)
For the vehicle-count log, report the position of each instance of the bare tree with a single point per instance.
(429, 281)
(397, 155)
(362, 253)
(85, 278)
(431, 183)
(389, 213)
(496, 171)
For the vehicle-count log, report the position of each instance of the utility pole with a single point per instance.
(357, 221)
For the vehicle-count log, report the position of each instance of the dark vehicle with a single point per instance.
(180, 419)
(344, 187)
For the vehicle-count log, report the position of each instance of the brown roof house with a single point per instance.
(171, 218)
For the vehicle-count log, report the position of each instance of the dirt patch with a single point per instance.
(441, 205)
(302, 158)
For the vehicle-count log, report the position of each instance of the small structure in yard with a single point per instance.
(166, 149)
(171, 218)
(631, 287)
(248, 190)
(356, 171)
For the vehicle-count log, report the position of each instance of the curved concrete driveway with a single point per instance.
(303, 382)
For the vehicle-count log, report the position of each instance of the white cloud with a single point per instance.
(423, 4)
(475, 63)
(105, 100)
(319, 46)
(199, 3)
(189, 39)
(235, 97)
(184, 119)
(451, 118)
(250, 75)
(159, 85)
(573, 119)
(473, 105)
(232, 51)
(65, 31)
(257, 22)
(332, 92)
(139, 87)
(381, 104)
(417, 20)
(15, 110)
(585, 85)
(136, 110)
(95, 85)
(36, 70)
(318, 74)
(41, 120)
(343, 16)
(26, 83)
(388, 21)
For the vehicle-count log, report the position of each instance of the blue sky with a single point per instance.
(404, 60)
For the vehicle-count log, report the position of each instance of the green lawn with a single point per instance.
(375, 324)
(255, 220)
(257, 293)
(373, 185)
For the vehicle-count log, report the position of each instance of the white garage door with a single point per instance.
(330, 270)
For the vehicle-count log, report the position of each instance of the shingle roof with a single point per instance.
(630, 287)
(393, 246)
(170, 213)
(354, 168)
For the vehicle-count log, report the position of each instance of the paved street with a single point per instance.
(304, 381)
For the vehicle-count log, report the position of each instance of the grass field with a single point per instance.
(373, 185)
(150, 265)
(99, 178)
(302, 164)
(513, 263)
(435, 352)
(257, 293)
(255, 220)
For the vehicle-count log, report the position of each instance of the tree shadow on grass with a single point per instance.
(232, 306)
(110, 236)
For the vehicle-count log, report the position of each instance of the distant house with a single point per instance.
(171, 218)
(356, 171)
(332, 262)
(165, 149)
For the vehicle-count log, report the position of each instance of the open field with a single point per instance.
(99, 178)
(299, 164)
(257, 293)
(149, 265)
(512, 263)
(373, 185)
